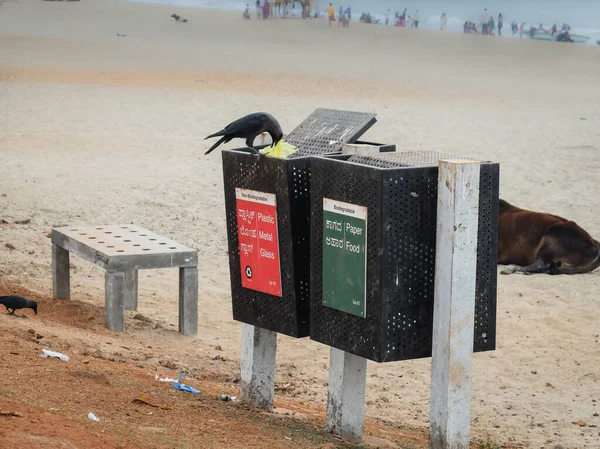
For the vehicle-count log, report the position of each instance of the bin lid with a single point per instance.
(326, 130)
(404, 159)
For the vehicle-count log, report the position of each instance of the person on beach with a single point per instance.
(521, 29)
(349, 13)
(403, 18)
(258, 10)
(277, 8)
(266, 10)
(246, 14)
(564, 36)
(331, 14)
(340, 11)
(500, 22)
(491, 26)
(485, 20)
(514, 27)
(443, 21)
(415, 20)
(343, 20)
(387, 17)
(399, 21)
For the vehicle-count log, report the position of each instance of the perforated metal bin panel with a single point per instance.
(289, 181)
(326, 130)
(403, 159)
(402, 210)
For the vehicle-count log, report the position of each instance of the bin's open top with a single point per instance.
(405, 159)
(326, 130)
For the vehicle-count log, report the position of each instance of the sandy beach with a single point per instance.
(98, 128)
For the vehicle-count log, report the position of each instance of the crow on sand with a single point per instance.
(249, 127)
(16, 302)
(178, 18)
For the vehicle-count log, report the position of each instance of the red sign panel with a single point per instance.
(259, 242)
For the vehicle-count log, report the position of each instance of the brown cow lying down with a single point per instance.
(533, 242)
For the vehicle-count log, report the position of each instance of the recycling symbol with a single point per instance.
(248, 272)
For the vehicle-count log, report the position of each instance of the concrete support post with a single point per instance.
(346, 396)
(114, 297)
(454, 304)
(257, 383)
(131, 289)
(61, 278)
(188, 300)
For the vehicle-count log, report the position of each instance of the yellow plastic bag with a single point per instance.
(282, 150)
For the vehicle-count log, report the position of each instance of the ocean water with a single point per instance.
(582, 15)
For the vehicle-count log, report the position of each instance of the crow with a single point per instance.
(249, 127)
(178, 18)
(16, 302)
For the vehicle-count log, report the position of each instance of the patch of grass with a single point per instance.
(306, 432)
(488, 445)
(125, 434)
(410, 446)
(254, 418)
(168, 441)
(7, 393)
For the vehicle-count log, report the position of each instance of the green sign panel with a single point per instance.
(345, 257)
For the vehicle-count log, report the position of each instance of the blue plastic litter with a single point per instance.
(182, 387)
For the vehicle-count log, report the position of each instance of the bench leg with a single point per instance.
(114, 296)
(61, 280)
(188, 300)
(131, 289)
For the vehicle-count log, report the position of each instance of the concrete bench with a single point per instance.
(122, 250)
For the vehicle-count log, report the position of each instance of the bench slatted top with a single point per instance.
(119, 247)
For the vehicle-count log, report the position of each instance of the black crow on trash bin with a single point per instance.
(249, 127)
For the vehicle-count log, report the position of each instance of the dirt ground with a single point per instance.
(44, 403)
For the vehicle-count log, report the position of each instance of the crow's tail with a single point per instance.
(217, 134)
(217, 143)
(4, 300)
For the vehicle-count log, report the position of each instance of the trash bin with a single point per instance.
(267, 202)
(372, 288)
